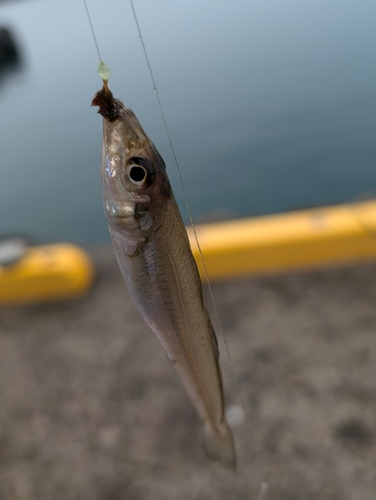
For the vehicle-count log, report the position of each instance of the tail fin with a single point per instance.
(219, 444)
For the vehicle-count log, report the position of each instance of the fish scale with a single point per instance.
(155, 258)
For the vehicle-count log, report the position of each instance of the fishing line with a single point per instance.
(92, 30)
(263, 485)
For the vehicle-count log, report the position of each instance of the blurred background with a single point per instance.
(270, 104)
(271, 109)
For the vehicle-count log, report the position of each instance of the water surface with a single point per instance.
(270, 104)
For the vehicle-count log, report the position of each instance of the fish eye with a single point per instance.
(137, 174)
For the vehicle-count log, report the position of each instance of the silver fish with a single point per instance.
(155, 257)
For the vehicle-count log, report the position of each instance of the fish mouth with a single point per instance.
(113, 110)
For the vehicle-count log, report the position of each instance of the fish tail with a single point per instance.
(219, 444)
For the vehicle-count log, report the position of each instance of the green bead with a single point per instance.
(104, 71)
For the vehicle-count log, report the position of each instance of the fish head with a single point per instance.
(133, 172)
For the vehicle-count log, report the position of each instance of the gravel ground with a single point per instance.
(91, 409)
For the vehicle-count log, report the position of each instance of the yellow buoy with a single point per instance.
(46, 273)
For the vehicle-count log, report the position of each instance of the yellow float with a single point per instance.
(46, 273)
(306, 239)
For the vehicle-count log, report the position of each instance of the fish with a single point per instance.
(155, 258)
